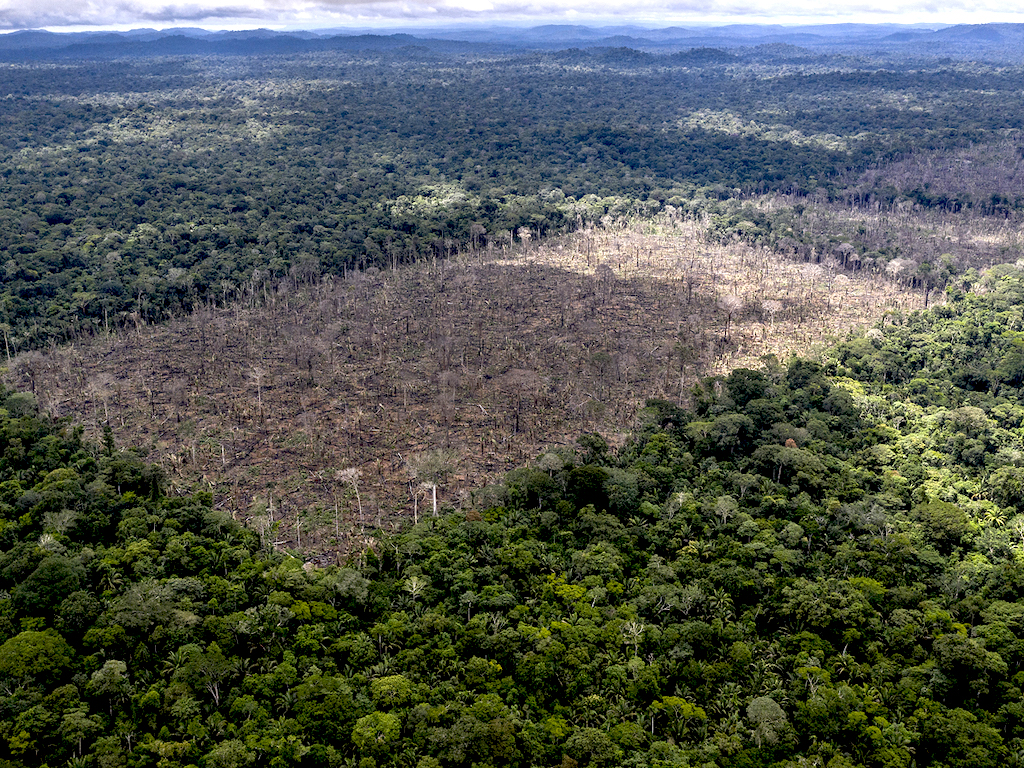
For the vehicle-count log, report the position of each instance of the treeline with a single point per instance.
(134, 190)
(815, 562)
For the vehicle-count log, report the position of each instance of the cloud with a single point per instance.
(198, 13)
(30, 14)
(64, 14)
(669, 12)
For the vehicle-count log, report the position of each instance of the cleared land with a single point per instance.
(294, 397)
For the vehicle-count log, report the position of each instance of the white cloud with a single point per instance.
(57, 14)
(218, 14)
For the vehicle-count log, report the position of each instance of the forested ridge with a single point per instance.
(817, 563)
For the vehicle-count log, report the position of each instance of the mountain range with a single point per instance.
(1004, 41)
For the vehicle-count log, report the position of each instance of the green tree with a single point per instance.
(592, 747)
(376, 733)
(29, 656)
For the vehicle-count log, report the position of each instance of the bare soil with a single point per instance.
(492, 357)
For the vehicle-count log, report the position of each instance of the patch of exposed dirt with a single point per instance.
(321, 411)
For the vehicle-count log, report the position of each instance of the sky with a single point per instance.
(77, 15)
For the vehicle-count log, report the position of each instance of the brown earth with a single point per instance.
(452, 372)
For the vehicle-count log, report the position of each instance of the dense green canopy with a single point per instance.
(137, 189)
(817, 563)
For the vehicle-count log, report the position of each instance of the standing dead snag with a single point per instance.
(731, 305)
(257, 373)
(771, 307)
(432, 468)
(477, 232)
(350, 475)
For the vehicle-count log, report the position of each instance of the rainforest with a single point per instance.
(387, 401)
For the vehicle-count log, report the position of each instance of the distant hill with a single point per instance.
(34, 45)
(1002, 41)
(985, 33)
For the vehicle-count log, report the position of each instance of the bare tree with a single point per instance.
(525, 234)
(476, 232)
(99, 387)
(350, 475)
(731, 305)
(432, 468)
(257, 373)
(6, 328)
(771, 307)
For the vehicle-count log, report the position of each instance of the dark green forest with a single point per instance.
(815, 563)
(818, 563)
(134, 190)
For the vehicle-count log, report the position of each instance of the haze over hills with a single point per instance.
(1003, 41)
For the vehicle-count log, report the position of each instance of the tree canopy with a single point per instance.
(819, 561)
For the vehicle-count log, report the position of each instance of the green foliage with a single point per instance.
(376, 733)
(35, 656)
(216, 182)
(817, 563)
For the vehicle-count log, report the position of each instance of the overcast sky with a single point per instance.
(69, 15)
